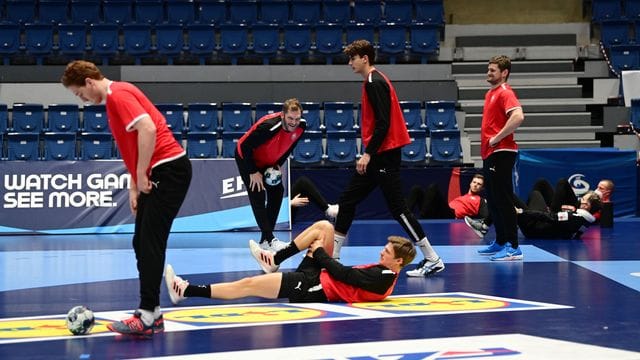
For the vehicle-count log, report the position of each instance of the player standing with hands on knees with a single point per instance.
(501, 116)
(268, 144)
(384, 133)
(160, 176)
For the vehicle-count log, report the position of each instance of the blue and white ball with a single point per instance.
(80, 320)
(272, 176)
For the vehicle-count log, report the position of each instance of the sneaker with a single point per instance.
(175, 285)
(276, 245)
(332, 211)
(508, 254)
(265, 245)
(337, 246)
(158, 325)
(478, 226)
(132, 326)
(263, 257)
(426, 268)
(493, 248)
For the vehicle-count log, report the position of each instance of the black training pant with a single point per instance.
(497, 169)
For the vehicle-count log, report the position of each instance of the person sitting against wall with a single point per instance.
(305, 191)
(432, 204)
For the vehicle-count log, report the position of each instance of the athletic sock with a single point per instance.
(156, 312)
(427, 250)
(286, 253)
(146, 316)
(198, 291)
(337, 245)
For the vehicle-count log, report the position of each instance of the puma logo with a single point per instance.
(299, 286)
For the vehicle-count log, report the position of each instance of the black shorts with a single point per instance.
(303, 285)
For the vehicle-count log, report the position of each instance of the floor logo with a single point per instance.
(444, 303)
(15, 329)
(243, 314)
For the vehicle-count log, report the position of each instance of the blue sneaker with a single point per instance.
(508, 254)
(493, 248)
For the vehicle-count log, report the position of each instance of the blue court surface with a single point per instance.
(566, 298)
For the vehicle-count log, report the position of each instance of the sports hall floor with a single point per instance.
(578, 298)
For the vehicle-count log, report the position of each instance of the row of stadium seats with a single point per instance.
(315, 148)
(209, 117)
(206, 42)
(220, 11)
(619, 25)
(615, 9)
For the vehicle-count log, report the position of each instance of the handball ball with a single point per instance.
(272, 176)
(80, 320)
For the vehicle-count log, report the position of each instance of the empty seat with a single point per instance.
(425, 40)
(174, 115)
(632, 10)
(202, 41)
(72, 40)
(309, 149)
(266, 41)
(38, 40)
(392, 40)
(117, 11)
(229, 143)
(359, 31)
(606, 9)
(4, 118)
(429, 11)
(236, 117)
(416, 151)
(9, 41)
(243, 12)
(233, 41)
(624, 57)
(264, 108)
(398, 11)
(59, 146)
(202, 117)
(367, 11)
(336, 11)
(21, 11)
(297, 41)
(445, 146)
(137, 40)
(306, 11)
(63, 118)
(105, 41)
(311, 115)
(274, 11)
(440, 115)
(329, 40)
(338, 116)
(53, 11)
(614, 32)
(169, 40)
(94, 118)
(28, 118)
(85, 11)
(212, 12)
(149, 11)
(202, 145)
(180, 11)
(341, 146)
(412, 113)
(23, 146)
(96, 146)
(634, 117)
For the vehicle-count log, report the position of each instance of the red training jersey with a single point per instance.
(466, 205)
(498, 103)
(336, 290)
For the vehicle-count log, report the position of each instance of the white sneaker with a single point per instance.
(426, 268)
(276, 245)
(175, 284)
(332, 211)
(337, 246)
(263, 257)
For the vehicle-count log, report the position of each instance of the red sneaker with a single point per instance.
(133, 326)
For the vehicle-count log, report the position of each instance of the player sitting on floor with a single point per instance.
(318, 278)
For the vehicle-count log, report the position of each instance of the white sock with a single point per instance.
(156, 312)
(338, 240)
(427, 250)
(146, 316)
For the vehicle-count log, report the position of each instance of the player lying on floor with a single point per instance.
(318, 278)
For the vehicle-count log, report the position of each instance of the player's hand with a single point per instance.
(299, 201)
(133, 200)
(255, 182)
(493, 142)
(143, 183)
(361, 165)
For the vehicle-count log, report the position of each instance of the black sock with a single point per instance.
(286, 253)
(198, 291)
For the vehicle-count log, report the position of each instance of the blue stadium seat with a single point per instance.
(360, 31)
(274, 12)
(236, 117)
(63, 118)
(117, 11)
(174, 115)
(338, 116)
(243, 12)
(632, 11)
(416, 152)
(85, 11)
(202, 117)
(311, 114)
(336, 11)
(266, 108)
(96, 146)
(53, 11)
(20, 11)
(306, 11)
(94, 118)
(425, 40)
(392, 40)
(234, 41)
(266, 41)
(309, 149)
(180, 11)
(72, 40)
(445, 146)
(38, 40)
(329, 40)
(614, 32)
(606, 9)
(149, 11)
(297, 41)
(412, 112)
(59, 146)
(229, 143)
(341, 146)
(202, 145)
(440, 115)
(27, 118)
(367, 11)
(634, 117)
(9, 41)
(202, 41)
(624, 57)
(169, 40)
(429, 11)
(398, 11)
(137, 40)
(4, 118)
(105, 41)
(23, 146)
(212, 12)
